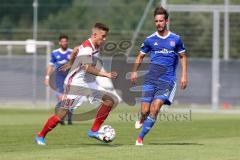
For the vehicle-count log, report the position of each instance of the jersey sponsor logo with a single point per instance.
(172, 43)
(155, 44)
(164, 51)
(58, 57)
(62, 61)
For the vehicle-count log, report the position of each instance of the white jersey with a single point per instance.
(86, 55)
(81, 86)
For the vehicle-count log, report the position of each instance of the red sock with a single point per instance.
(100, 117)
(51, 123)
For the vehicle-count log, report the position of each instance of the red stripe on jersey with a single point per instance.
(87, 43)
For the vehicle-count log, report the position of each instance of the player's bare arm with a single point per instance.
(183, 61)
(92, 70)
(49, 70)
(68, 65)
(137, 64)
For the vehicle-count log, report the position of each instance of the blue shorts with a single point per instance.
(59, 83)
(150, 92)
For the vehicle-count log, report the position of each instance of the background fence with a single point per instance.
(16, 81)
(205, 27)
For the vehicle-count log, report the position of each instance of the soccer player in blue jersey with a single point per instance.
(59, 57)
(165, 48)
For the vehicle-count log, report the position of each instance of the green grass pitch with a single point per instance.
(204, 137)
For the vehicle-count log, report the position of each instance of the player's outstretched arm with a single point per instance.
(69, 64)
(92, 70)
(137, 64)
(183, 61)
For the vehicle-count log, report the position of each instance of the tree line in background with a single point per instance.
(75, 18)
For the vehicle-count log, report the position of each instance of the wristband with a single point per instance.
(47, 77)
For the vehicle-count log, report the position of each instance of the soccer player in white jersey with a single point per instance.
(81, 80)
(59, 57)
(165, 49)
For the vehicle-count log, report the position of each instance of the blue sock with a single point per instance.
(147, 125)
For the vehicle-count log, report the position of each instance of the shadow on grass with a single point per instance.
(80, 145)
(176, 144)
(102, 144)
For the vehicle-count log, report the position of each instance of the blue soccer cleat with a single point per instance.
(40, 141)
(95, 135)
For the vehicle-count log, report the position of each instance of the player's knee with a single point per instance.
(108, 102)
(154, 111)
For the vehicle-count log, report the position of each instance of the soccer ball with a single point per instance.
(107, 133)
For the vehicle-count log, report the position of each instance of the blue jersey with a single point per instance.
(59, 58)
(164, 56)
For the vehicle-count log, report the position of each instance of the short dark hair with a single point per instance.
(101, 26)
(62, 36)
(161, 11)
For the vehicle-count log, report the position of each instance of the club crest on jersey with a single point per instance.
(172, 43)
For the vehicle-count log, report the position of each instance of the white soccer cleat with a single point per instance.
(139, 142)
(138, 124)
